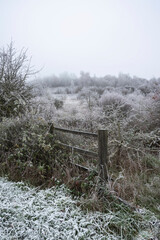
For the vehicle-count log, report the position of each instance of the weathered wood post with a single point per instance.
(103, 153)
(51, 128)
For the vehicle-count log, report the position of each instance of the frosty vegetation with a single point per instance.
(15, 69)
(128, 107)
(51, 214)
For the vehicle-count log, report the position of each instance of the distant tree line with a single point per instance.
(128, 83)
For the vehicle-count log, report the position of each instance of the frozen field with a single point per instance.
(30, 213)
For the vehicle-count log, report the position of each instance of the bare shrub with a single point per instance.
(15, 69)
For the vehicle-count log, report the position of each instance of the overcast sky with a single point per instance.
(97, 36)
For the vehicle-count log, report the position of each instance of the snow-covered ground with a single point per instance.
(51, 214)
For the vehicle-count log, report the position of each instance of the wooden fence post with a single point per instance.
(51, 128)
(103, 153)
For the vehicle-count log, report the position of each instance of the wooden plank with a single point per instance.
(76, 132)
(83, 167)
(103, 153)
(82, 151)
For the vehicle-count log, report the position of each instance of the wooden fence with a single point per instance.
(101, 154)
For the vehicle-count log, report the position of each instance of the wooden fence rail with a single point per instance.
(76, 132)
(80, 150)
(102, 153)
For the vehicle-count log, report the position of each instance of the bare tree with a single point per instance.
(15, 69)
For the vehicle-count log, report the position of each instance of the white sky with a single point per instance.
(98, 36)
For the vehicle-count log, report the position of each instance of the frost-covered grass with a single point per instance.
(30, 213)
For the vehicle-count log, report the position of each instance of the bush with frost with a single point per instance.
(15, 69)
(113, 102)
(154, 113)
(58, 103)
